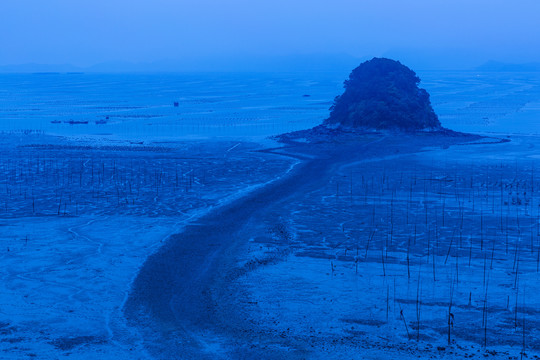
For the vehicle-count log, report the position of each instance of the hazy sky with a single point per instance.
(85, 32)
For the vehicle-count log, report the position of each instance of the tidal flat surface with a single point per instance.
(347, 251)
(373, 263)
(407, 246)
(78, 221)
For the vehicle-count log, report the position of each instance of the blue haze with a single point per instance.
(239, 69)
(232, 35)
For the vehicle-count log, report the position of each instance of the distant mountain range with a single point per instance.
(508, 67)
(300, 63)
(335, 63)
(38, 68)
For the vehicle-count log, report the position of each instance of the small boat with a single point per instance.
(76, 122)
(175, 104)
(56, 122)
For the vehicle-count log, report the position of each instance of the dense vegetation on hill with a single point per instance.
(383, 94)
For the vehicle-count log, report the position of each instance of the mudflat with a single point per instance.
(362, 249)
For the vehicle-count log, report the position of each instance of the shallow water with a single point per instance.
(486, 102)
(243, 105)
(141, 106)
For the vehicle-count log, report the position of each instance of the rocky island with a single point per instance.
(383, 94)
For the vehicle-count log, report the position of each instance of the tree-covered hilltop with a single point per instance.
(383, 94)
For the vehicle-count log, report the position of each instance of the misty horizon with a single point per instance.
(275, 36)
(336, 63)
